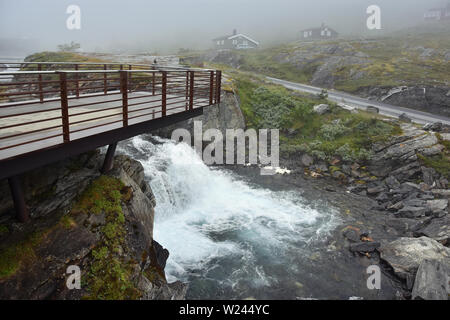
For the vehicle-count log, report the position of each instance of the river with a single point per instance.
(234, 236)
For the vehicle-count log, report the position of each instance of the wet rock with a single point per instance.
(159, 290)
(438, 229)
(322, 109)
(428, 175)
(382, 197)
(412, 212)
(396, 206)
(405, 255)
(392, 182)
(364, 247)
(426, 196)
(404, 117)
(404, 225)
(437, 127)
(372, 109)
(438, 205)
(338, 175)
(415, 203)
(159, 255)
(352, 234)
(403, 150)
(376, 190)
(431, 281)
(306, 160)
(407, 172)
(441, 192)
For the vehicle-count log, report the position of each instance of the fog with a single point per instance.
(167, 25)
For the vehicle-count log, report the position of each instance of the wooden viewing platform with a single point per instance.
(48, 115)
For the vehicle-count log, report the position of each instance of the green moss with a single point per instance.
(443, 142)
(334, 169)
(109, 275)
(14, 256)
(441, 163)
(67, 222)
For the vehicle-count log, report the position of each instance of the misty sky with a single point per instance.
(147, 25)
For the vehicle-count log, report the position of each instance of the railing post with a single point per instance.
(164, 93)
(41, 94)
(77, 84)
(64, 106)
(108, 163)
(129, 76)
(218, 84)
(187, 91)
(153, 81)
(18, 199)
(124, 91)
(191, 90)
(105, 81)
(211, 88)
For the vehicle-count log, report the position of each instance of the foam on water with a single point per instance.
(209, 218)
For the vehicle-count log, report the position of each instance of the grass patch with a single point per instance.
(14, 256)
(440, 162)
(109, 275)
(60, 56)
(337, 133)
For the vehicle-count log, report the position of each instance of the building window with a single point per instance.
(305, 34)
(245, 43)
(235, 42)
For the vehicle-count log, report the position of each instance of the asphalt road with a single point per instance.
(361, 103)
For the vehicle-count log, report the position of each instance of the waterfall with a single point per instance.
(226, 237)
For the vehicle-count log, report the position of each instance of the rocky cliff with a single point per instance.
(223, 116)
(102, 224)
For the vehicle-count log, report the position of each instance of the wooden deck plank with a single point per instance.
(175, 105)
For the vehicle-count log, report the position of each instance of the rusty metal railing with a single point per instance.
(42, 108)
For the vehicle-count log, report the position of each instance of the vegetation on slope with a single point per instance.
(109, 275)
(337, 133)
(441, 162)
(414, 59)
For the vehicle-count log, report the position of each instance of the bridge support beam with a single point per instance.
(108, 164)
(18, 199)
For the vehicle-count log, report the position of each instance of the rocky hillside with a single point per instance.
(407, 179)
(406, 70)
(101, 223)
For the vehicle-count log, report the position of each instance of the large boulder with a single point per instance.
(322, 109)
(438, 229)
(404, 117)
(431, 281)
(405, 255)
(307, 160)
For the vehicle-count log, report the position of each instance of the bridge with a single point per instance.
(50, 111)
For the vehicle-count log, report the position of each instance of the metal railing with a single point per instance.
(41, 108)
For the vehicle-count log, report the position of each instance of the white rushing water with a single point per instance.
(225, 236)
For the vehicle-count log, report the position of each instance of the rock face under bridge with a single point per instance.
(102, 224)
